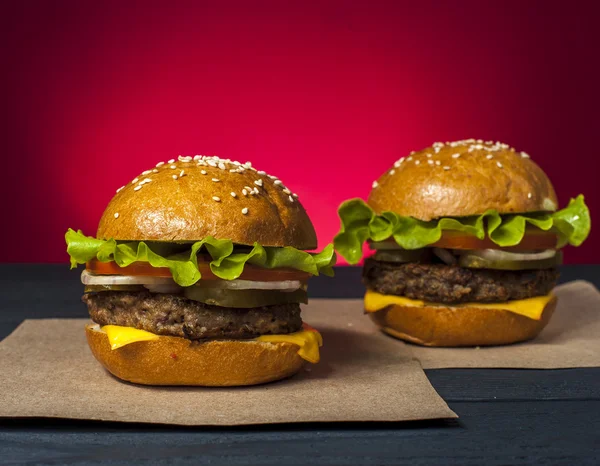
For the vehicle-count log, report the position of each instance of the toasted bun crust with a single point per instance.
(177, 361)
(435, 182)
(185, 208)
(464, 326)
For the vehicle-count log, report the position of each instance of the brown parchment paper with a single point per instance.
(48, 371)
(571, 339)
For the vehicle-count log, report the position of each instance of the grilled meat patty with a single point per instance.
(450, 284)
(174, 315)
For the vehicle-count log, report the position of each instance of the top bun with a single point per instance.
(194, 197)
(463, 178)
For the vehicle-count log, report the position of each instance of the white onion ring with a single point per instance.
(88, 278)
(285, 285)
(498, 255)
(167, 285)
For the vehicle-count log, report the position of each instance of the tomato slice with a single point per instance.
(533, 240)
(251, 272)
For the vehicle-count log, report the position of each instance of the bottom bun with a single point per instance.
(178, 361)
(464, 326)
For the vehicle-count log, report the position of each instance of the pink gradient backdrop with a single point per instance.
(326, 95)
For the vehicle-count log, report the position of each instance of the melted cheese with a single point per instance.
(308, 339)
(531, 307)
(120, 336)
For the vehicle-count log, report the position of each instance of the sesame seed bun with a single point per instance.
(178, 361)
(191, 198)
(465, 326)
(463, 178)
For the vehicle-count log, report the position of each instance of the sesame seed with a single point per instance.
(120, 188)
(181, 173)
(160, 164)
(244, 192)
(375, 184)
(295, 195)
(116, 214)
(137, 188)
(489, 156)
(135, 180)
(261, 172)
(255, 191)
(455, 156)
(446, 167)
(245, 210)
(528, 195)
(184, 159)
(258, 182)
(233, 194)
(248, 164)
(175, 177)
(499, 164)
(410, 158)
(436, 149)
(202, 163)
(217, 199)
(173, 167)
(417, 162)
(248, 188)
(430, 162)
(241, 170)
(155, 171)
(272, 177)
(197, 157)
(438, 163)
(429, 155)
(291, 198)
(525, 155)
(212, 163)
(412, 152)
(203, 172)
(287, 191)
(216, 180)
(277, 182)
(146, 172)
(392, 171)
(233, 170)
(222, 166)
(170, 160)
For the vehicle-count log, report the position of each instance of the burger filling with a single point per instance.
(176, 315)
(435, 281)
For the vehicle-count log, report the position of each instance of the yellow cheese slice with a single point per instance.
(308, 339)
(531, 307)
(120, 336)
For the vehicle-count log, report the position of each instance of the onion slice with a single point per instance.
(498, 255)
(88, 278)
(168, 285)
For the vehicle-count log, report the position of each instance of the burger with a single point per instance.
(467, 239)
(196, 276)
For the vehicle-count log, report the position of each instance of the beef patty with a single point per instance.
(451, 284)
(167, 314)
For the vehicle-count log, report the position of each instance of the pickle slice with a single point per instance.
(244, 298)
(475, 262)
(97, 288)
(402, 255)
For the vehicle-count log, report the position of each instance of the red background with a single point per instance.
(325, 95)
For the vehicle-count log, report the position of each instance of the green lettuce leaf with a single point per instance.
(226, 263)
(360, 223)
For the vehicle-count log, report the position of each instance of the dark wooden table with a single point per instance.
(506, 416)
